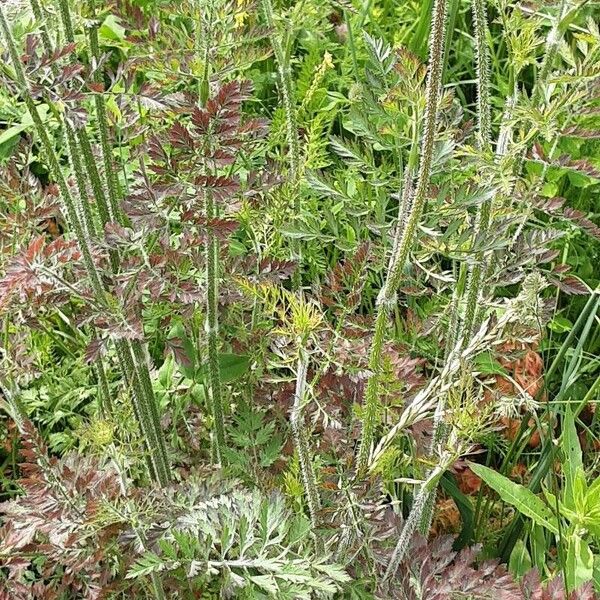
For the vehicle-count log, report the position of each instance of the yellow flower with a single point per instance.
(240, 18)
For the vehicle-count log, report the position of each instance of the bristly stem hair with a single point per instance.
(301, 442)
(211, 253)
(463, 329)
(484, 136)
(406, 232)
(286, 88)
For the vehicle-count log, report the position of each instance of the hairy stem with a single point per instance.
(407, 233)
(410, 525)
(85, 147)
(112, 182)
(475, 280)
(212, 330)
(301, 440)
(286, 89)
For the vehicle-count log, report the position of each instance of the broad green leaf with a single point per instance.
(524, 500)
(233, 366)
(12, 133)
(112, 30)
(539, 546)
(580, 563)
(593, 494)
(573, 462)
(560, 325)
(520, 561)
(448, 483)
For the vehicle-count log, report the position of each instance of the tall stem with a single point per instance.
(301, 440)
(211, 252)
(212, 330)
(482, 224)
(85, 147)
(286, 89)
(411, 523)
(387, 294)
(112, 182)
(475, 271)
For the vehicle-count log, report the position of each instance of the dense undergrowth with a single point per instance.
(299, 299)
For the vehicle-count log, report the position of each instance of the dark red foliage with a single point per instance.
(54, 519)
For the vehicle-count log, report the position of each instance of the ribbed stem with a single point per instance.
(85, 148)
(301, 441)
(410, 525)
(65, 17)
(409, 528)
(395, 271)
(482, 224)
(463, 329)
(87, 217)
(105, 403)
(287, 92)
(212, 330)
(484, 118)
(371, 403)
(286, 89)
(112, 182)
(552, 43)
(38, 13)
(147, 401)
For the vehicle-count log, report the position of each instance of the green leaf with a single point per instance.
(573, 461)
(539, 546)
(10, 137)
(486, 364)
(520, 561)
(266, 583)
(448, 483)
(299, 529)
(560, 325)
(233, 366)
(334, 571)
(580, 563)
(149, 563)
(112, 30)
(524, 500)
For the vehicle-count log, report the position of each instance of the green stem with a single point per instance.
(112, 182)
(286, 89)
(301, 440)
(387, 294)
(212, 330)
(484, 123)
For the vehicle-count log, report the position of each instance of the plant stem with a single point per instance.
(112, 183)
(104, 210)
(484, 124)
(212, 252)
(407, 234)
(286, 89)
(212, 329)
(301, 441)
(411, 523)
